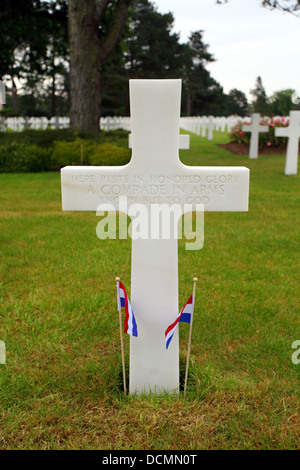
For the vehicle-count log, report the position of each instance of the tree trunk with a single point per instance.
(87, 53)
(84, 67)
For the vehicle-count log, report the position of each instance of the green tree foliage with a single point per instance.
(281, 102)
(106, 53)
(47, 78)
(260, 103)
(237, 103)
(114, 85)
(151, 50)
(201, 91)
(20, 39)
(290, 6)
(34, 43)
(22, 26)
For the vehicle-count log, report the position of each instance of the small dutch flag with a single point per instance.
(130, 326)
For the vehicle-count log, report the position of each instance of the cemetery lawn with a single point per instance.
(61, 386)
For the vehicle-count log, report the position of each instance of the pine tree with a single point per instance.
(260, 103)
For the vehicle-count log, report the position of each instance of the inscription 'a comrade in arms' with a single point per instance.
(184, 189)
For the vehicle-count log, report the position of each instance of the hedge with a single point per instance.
(36, 151)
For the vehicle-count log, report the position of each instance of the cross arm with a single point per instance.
(220, 189)
(250, 128)
(281, 132)
(83, 188)
(217, 188)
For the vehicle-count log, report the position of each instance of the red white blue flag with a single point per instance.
(130, 326)
(185, 315)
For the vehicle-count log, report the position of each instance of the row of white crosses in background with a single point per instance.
(18, 124)
(202, 125)
(199, 125)
(111, 123)
(292, 132)
(155, 119)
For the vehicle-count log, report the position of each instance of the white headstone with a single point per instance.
(210, 128)
(203, 126)
(184, 141)
(293, 133)
(255, 128)
(2, 94)
(2, 353)
(155, 165)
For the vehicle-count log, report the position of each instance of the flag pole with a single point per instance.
(121, 336)
(190, 337)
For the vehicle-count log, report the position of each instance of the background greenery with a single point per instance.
(35, 66)
(61, 387)
(49, 150)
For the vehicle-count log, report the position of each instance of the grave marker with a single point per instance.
(2, 94)
(184, 141)
(203, 127)
(2, 353)
(293, 134)
(155, 165)
(255, 128)
(210, 128)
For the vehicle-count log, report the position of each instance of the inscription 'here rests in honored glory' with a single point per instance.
(155, 167)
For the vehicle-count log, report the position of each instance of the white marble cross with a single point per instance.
(255, 128)
(293, 133)
(184, 141)
(155, 175)
(2, 353)
(210, 128)
(203, 126)
(2, 94)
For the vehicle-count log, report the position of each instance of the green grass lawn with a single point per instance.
(61, 387)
